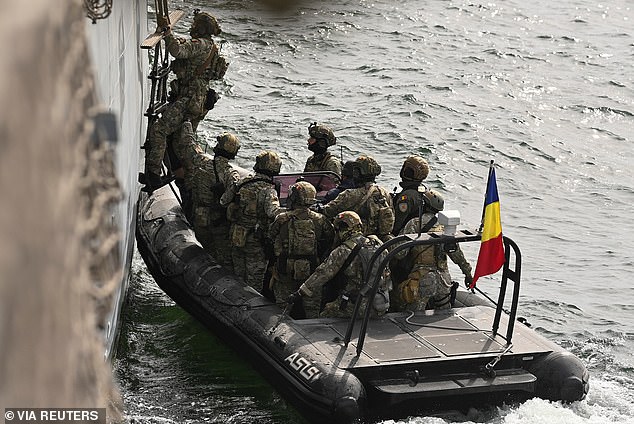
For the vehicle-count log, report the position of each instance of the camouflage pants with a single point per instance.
(429, 285)
(187, 106)
(215, 240)
(249, 262)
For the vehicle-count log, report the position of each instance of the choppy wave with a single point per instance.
(542, 88)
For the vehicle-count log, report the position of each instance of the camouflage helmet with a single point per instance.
(227, 145)
(415, 168)
(347, 223)
(267, 162)
(322, 133)
(206, 23)
(366, 167)
(301, 193)
(434, 200)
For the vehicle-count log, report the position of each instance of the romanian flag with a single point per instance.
(491, 256)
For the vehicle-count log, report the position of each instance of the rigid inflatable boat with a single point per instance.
(363, 369)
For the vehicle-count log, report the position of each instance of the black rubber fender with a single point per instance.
(561, 376)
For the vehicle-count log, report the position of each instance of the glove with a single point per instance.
(468, 279)
(294, 297)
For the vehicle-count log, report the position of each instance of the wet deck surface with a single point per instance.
(440, 336)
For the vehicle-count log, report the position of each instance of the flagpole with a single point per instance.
(485, 197)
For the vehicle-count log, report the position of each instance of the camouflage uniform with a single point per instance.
(192, 89)
(323, 162)
(210, 176)
(353, 275)
(320, 138)
(296, 262)
(429, 273)
(359, 200)
(255, 205)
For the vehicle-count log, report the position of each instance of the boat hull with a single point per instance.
(424, 362)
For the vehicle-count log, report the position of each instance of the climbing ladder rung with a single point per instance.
(160, 73)
(154, 38)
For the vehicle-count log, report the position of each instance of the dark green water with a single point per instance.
(173, 370)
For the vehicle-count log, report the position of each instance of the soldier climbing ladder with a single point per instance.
(160, 65)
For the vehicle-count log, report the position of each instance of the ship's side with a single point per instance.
(120, 71)
(67, 237)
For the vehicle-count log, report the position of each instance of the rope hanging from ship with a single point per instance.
(98, 9)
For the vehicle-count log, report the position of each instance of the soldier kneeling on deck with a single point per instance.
(351, 258)
(302, 238)
(429, 284)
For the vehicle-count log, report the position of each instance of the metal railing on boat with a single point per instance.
(407, 241)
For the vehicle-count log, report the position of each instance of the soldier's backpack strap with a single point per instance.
(347, 297)
(331, 290)
(370, 192)
(429, 224)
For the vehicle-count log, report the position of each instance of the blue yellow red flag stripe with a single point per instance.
(491, 255)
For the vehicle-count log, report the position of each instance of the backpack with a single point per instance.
(302, 247)
(376, 212)
(365, 250)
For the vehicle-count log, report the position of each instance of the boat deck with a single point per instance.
(429, 336)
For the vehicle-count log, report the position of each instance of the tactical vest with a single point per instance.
(406, 207)
(208, 186)
(375, 212)
(301, 254)
(215, 66)
(189, 69)
(247, 200)
(208, 189)
(326, 163)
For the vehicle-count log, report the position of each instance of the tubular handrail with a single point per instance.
(357, 303)
(407, 241)
(513, 275)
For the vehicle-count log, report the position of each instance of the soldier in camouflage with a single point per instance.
(407, 203)
(210, 176)
(302, 239)
(252, 206)
(192, 84)
(428, 284)
(348, 227)
(320, 138)
(372, 202)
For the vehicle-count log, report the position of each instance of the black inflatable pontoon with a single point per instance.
(334, 371)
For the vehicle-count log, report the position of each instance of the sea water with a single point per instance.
(544, 89)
